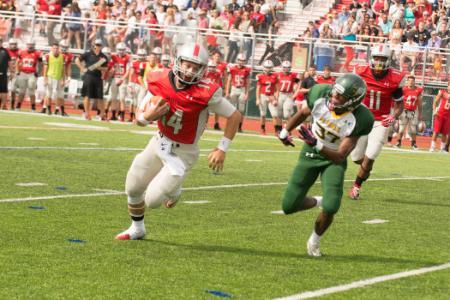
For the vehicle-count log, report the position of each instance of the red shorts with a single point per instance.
(442, 124)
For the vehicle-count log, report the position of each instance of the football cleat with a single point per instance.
(313, 248)
(354, 192)
(130, 234)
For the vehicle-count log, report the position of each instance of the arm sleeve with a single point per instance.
(220, 105)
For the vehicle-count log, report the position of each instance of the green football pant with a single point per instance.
(305, 174)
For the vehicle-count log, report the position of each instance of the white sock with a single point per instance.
(442, 146)
(433, 145)
(319, 200)
(138, 225)
(314, 238)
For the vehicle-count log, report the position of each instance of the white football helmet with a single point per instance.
(142, 54)
(31, 45)
(12, 44)
(64, 45)
(165, 57)
(121, 48)
(267, 66)
(286, 65)
(380, 57)
(421, 127)
(106, 51)
(196, 54)
(157, 51)
(241, 59)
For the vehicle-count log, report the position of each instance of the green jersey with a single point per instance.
(330, 128)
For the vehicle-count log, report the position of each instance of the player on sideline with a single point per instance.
(412, 113)
(286, 82)
(156, 174)
(384, 84)
(338, 122)
(266, 91)
(238, 85)
(441, 115)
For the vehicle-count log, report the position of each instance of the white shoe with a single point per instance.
(313, 248)
(130, 234)
(431, 150)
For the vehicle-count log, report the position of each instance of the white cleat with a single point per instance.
(431, 150)
(130, 234)
(313, 248)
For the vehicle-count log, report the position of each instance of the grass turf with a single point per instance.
(232, 244)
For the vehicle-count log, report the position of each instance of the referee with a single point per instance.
(5, 60)
(91, 65)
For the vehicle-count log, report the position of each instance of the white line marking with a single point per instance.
(36, 139)
(72, 125)
(88, 144)
(30, 184)
(209, 140)
(68, 148)
(277, 212)
(253, 160)
(106, 191)
(198, 188)
(375, 221)
(196, 202)
(365, 282)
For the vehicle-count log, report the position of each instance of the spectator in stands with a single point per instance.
(410, 52)
(423, 10)
(333, 24)
(309, 81)
(313, 29)
(421, 35)
(364, 34)
(348, 32)
(355, 6)
(259, 18)
(326, 78)
(379, 7)
(169, 33)
(327, 32)
(247, 29)
(362, 13)
(408, 14)
(233, 42)
(343, 15)
(444, 34)
(91, 65)
(42, 8)
(385, 24)
(233, 6)
(54, 12)
(396, 10)
(74, 26)
(397, 30)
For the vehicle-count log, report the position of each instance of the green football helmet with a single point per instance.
(352, 88)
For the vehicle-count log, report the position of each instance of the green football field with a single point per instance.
(62, 203)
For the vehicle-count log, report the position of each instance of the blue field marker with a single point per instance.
(76, 241)
(219, 294)
(61, 188)
(37, 207)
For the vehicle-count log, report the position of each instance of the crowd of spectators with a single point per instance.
(409, 26)
(224, 25)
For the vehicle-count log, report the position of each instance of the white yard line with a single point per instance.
(198, 188)
(365, 282)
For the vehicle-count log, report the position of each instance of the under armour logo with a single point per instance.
(309, 154)
(189, 97)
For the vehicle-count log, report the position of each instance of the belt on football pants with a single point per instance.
(174, 144)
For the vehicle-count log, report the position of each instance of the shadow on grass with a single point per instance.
(257, 252)
(415, 203)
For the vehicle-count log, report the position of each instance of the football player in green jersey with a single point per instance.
(339, 120)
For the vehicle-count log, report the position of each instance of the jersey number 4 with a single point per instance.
(174, 121)
(375, 100)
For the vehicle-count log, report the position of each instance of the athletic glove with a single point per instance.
(285, 138)
(307, 135)
(386, 122)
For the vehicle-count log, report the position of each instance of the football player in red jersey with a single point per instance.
(27, 64)
(136, 88)
(266, 89)
(441, 115)
(166, 61)
(157, 173)
(120, 64)
(14, 54)
(326, 78)
(286, 82)
(384, 84)
(221, 68)
(412, 113)
(212, 74)
(237, 87)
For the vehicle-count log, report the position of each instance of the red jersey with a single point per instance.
(267, 83)
(221, 67)
(29, 61)
(184, 123)
(137, 66)
(214, 76)
(239, 76)
(14, 54)
(379, 92)
(323, 80)
(120, 64)
(68, 58)
(410, 97)
(444, 104)
(286, 82)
